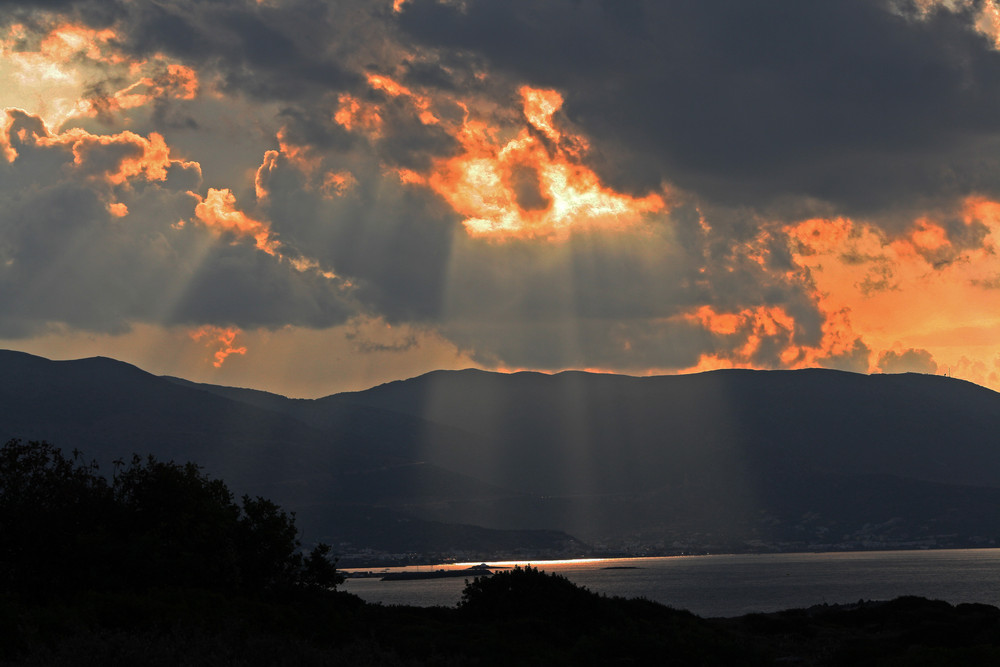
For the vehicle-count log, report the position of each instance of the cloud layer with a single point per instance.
(630, 186)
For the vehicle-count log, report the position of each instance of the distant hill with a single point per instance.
(726, 460)
(797, 459)
(343, 481)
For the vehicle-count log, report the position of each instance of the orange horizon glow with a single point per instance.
(920, 286)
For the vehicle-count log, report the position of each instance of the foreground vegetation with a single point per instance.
(160, 565)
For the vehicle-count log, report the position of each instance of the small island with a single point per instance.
(482, 570)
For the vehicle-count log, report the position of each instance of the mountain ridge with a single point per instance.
(725, 460)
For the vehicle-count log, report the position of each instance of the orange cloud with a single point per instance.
(218, 212)
(267, 166)
(175, 81)
(48, 71)
(746, 333)
(149, 157)
(395, 89)
(308, 162)
(8, 151)
(985, 17)
(63, 44)
(354, 115)
(983, 209)
(69, 41)
(753, 325)
(719, 323)
(337, 183)
(53, 76)
(539, 106)
(523, 188)
(223, 338)
(819, 235)
(304, 157)
(114, 160)
(931, 242)
(410, 177)
(181, 82)
(532, 186)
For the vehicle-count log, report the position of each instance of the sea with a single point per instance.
(733, 585)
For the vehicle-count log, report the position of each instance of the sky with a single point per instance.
(310, 196)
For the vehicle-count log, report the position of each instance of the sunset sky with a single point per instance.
(309, 197)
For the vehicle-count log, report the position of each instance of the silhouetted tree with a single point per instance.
(268, 544)
(63, 527)
(51, 509)
(318, 571)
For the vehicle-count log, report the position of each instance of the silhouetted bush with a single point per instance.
(525, 591)
(64, 528)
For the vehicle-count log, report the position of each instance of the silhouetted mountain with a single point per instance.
(922, 426)
(732, 460)
(814, 457)
(110, 410)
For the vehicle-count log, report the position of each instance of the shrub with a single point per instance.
(64, 527)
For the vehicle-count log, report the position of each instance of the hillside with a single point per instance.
(342, 481)
(463, 462)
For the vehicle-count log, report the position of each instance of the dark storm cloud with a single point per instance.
(410, 144)
(907, 361)
(261, 51)
(740, 104)
(250, 289)
(94, 13)
(65, 258)
(855, 358)
(749, 102)
(393, 242)
(291, 52)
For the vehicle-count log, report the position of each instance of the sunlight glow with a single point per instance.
(54, 75)
(524, 188)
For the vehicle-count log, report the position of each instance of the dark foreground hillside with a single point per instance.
(160, 565)
(525, 618)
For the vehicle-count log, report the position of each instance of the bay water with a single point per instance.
(733, 585)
